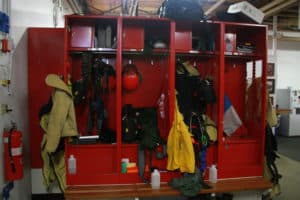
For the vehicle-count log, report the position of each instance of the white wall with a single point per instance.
(24, 14)
(288, 63)
(286, 59)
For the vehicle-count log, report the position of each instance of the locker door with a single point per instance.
(45, 55)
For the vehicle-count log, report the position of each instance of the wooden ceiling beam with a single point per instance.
(286, 15)
(279, 8)
(214, 7)
(270, 5)
(290, 12)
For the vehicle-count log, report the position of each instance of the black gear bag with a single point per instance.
(181, 10)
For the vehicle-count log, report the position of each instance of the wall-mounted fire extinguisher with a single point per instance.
(13, 154)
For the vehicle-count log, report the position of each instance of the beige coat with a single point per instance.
(59, 123)
(62, 120)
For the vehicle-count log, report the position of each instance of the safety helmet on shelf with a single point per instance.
(130, 77)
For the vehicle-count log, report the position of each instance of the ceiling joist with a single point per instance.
(214, 7)
(279, 8)
(271, 4)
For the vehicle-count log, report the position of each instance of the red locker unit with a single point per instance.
(244, 82)
(238, 72)
(133, 37)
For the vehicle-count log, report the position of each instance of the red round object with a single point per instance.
(130, 81)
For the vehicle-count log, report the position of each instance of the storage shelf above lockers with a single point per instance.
(242, 56)
(244, 41)
(196, 53)
(93, 50)
(197, 38)
(86, 33)
(147, 53)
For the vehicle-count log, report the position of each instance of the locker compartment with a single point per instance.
(133, 35)
(82, 36)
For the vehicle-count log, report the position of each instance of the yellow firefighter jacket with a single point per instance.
(179, 146)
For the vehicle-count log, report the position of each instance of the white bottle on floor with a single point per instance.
(72, 165)
(213, 174)
(155, 179)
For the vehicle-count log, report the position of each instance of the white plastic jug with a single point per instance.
(213, 174)
(155, 179)
(72, 164)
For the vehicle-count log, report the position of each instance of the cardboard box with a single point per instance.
(248, 10)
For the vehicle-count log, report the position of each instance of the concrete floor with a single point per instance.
(290, 181)
(289, 146)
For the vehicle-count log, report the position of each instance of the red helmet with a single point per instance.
(130, 77)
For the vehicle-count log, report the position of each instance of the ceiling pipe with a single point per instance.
(279, 8)
(78, 6)
(57, 8)
(75, 6)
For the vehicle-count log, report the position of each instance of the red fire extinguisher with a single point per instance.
(13, 156)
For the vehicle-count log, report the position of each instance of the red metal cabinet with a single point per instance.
(45, 55)
(244, 82)
(154, 68)
(203, 44)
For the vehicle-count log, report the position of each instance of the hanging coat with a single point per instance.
(62, 120)
(59, 123)
(179, 146)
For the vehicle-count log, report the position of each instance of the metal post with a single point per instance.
(274, 36)
(298, 14)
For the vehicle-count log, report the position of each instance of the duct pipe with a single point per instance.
(75, 6)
